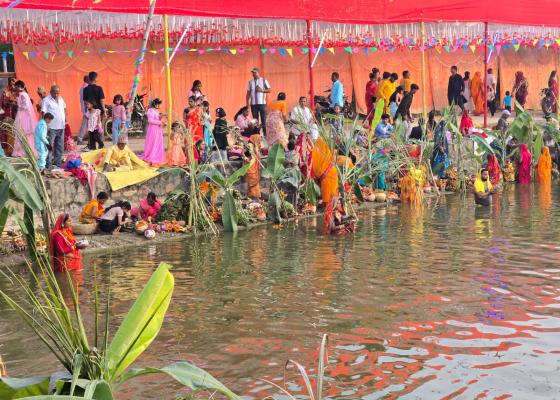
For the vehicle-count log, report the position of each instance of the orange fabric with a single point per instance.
(544, 168)
(225, 76)
(477, 93)
(277, 105)
(325, 170)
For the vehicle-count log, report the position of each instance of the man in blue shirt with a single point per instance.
(384, 129)
(337, 91)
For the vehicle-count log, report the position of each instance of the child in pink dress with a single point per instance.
(26, 120)
(175, 154)
(154, 152)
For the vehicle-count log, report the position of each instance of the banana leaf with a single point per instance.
(21, 186)
(55, 397)
(233, 178)
(312, 192)
(275, 162)
(142, 323)
(186, 374)
(4, 213)
(229, 213)
(379, 105)
(291, 176)
(538, 145)
(15, 388)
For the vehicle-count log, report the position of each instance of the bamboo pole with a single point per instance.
(139, 62)
(486, 75)
(168, 79)
(423, 66)
(310, 67)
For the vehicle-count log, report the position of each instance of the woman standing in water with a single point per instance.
(524, 165)
(64, 249)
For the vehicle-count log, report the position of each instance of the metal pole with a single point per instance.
(310, 66)
(486, 75)
(423, 66)
(139, 62)
(168, 79)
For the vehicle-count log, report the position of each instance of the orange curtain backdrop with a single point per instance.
(224, 76)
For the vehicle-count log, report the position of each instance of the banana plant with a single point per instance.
(94, 370)
(280, 175)
(229, 209)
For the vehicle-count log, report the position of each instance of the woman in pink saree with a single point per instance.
(524, 165)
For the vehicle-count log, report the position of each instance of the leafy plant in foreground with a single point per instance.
(94, 368)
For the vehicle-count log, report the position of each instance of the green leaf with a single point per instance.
(98, 390)
(312, 192)
(538, 146)
(229, 213)
(186, 374)
(4, 192)
(358, 192)
(4, 213)
(54, 397)
(14, 388)
(379, 105)
(24, 189)
(232, 180)
(142, 323)
(275, 161)
(482, 144)
(291, 176)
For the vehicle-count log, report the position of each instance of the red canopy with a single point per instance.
(518, 12)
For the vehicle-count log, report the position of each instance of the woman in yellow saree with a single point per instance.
(324, 169)
(477, 93)
(544, 168)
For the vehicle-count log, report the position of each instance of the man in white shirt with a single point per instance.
(256, 97)
(301, 116)
(55, 105)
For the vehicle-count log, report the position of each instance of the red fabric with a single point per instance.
(466, 124)
(80, 174)
(526, 12)
(524, 166)
(494, 170)
(64, 255)
(145, 210)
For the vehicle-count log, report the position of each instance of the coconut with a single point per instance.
(381, 197)
(149, 233)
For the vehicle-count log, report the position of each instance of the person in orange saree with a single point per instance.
(544, 167)
(64, 249)
(324, 170)
(494, 170)
(277, 115)
(477, 93)
(253, 174)
(194, 121)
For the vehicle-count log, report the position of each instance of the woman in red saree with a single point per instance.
(64, 249)
(553, 87)
(466, 123)
(520, 88)
(494, 170)
(194, 122)
(524, 165)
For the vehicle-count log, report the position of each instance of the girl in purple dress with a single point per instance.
(154, 152)
(26, 120)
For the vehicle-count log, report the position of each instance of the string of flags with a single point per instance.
(285, 51)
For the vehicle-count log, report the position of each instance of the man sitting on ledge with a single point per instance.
(121, 158)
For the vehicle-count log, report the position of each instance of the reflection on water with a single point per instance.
(449, 301)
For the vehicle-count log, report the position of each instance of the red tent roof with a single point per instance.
(518, 12)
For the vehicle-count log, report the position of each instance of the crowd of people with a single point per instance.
(258, 125)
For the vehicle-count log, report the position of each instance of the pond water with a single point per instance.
(447, 301)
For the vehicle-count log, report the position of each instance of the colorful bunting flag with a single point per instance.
(290, 52)
(331, 49)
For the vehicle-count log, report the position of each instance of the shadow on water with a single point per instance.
(446, 301)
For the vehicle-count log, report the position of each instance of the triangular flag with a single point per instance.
(472, 47)
(25, 54)
(153, 51)
(558, 42)
(323, 50)
(273, 50)
(233, 51)
(304, 50)
(70, 53)
(110, 51)
(282, 51)
(348, 49)
(241, 51)
(32, 55)
(290, 52)
(516, 46)
(438, 48)
(264, 51)
(498, 48)
(331, 49)
(366, 51)
(374, 49)
(447, 48)
(200, 51)
(491, 47)
(46, 53)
